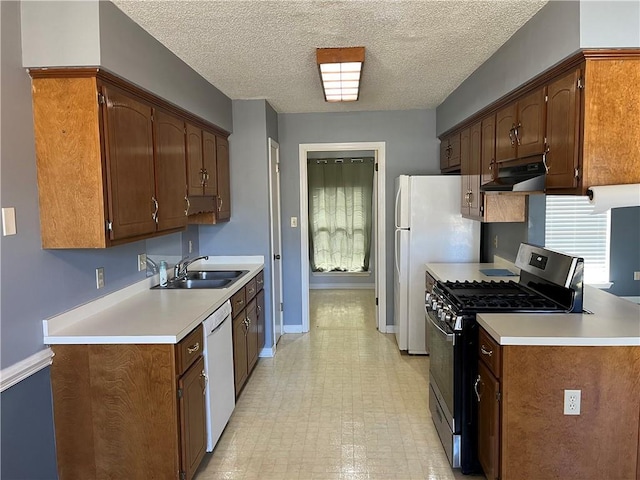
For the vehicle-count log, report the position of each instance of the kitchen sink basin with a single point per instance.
(205, 279)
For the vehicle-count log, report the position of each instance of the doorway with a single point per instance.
(276, 241)
(378, 149)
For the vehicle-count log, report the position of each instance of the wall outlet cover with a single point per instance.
(142, 262)
(99, 277)
(8, 221)
(572, 402)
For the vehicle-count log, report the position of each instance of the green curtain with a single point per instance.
(340, 216)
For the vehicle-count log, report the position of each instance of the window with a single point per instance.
(570, 227)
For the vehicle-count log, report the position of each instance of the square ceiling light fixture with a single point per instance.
(340, 72)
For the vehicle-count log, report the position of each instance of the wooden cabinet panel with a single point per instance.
(252, 335)
(224, 185)
(237, 302)
(531, 122)
(170, 174)
(444, 154)
(489, 352)
(129, 157)
(240, 370)
(193, 433)
(488, 390)
(261, 319)
(189, 349)
(465, 170)
(475, 150)
(454, 158)
(488, 155)
(563, 113)
(250, 289)
(209, 163)
(505, 137)
(195, 172)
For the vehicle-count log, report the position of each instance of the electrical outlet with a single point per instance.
(294, 222)
(8, 221)
(572, 402)
(636, 275)
(99, 277)
(190, 246)
(495, 241)
(142, 262)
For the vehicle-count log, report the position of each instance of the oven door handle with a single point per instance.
(449, 336)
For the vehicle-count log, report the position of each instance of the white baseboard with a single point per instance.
(342, 286)
(267, 352)
(25, 368)
(292, 328)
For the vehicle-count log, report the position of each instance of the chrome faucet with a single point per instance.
(180, 269)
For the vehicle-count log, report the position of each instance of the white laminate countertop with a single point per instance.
(140, 315)
(614, 321)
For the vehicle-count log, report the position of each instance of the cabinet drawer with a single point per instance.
(237, 302)
(260, 281)
(489, 351)
(250, 289)
(189, 349)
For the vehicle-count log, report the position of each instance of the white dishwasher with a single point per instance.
(218, 364)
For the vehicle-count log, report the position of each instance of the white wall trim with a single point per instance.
(293, 329)
(380, 269)
(267, 352)
(342, 286)
(25, 368)
(389, 329)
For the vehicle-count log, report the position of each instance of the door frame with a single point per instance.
(276, 311)
(379, 224)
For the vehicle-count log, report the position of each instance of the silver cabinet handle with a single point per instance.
(186, 210)
(193, 348)
(484, 350)
(517, 132)
(475, 386)
(203, 375)
(202, 176)
(544, 158)
(154, 215)
(259, 309)
(511, 133)
(219, 204)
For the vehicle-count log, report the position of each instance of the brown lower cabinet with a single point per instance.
(129, 411)
(247, 306)
(523, 433)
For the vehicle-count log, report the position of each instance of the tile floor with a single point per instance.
(340, 402)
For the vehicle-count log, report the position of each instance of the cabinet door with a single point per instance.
(488, 422)
(454, 157)
(224, 186)
(195, 174)
(505, 138)
(209, 163)
(252, 335)
(530, 126)
(475, 151)
(128, 147)
(488, 155)
(170, 168)
(261, 319)
(239, 351)
(465, 170)
(444, 154)
(193, 422)
(563, 111)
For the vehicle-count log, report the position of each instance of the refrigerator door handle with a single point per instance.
(397, 252)
(397, 212)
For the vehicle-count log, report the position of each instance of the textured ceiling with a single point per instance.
(417, 52)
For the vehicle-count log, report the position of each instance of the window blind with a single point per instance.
(572, 228)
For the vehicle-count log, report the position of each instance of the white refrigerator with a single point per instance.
(428, 229)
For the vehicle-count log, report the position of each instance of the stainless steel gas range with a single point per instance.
(550, 282)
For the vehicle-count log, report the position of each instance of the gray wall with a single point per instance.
(551, 35)
(625, 251)
(85, 33)
(411, 148)
(247, 233)
(609, 23)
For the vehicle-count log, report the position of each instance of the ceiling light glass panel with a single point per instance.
(340, 72)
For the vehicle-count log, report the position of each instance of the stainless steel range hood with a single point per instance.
(522, 178)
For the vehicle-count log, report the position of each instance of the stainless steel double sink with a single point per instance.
(205, 279)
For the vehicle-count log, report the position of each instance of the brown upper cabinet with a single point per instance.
(111, 160)
(450, 152)
(520, 127)
(201, 162)
(470, 171)
(580, 117)
(224, 188)
(488, 154)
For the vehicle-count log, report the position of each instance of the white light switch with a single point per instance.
(8, 221)
(294, 222)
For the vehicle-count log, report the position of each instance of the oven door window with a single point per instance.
(441, 358)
